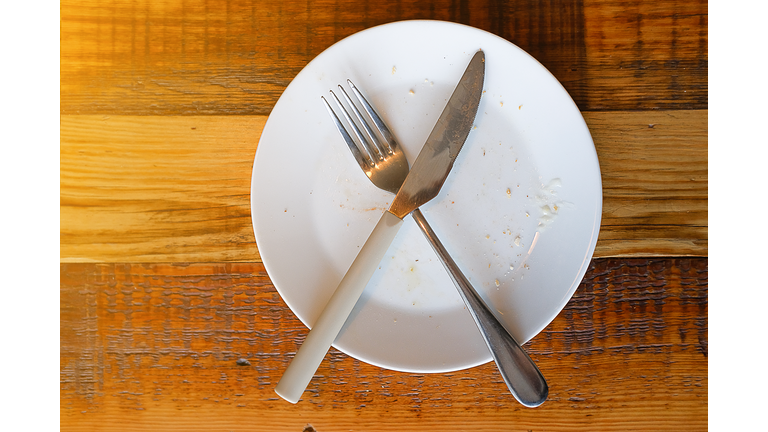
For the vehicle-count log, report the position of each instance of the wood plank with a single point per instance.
(155, 347)
(157, 189)
(191, 57)
(176, 189)
(654, 167)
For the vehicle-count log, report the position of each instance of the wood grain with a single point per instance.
(654, 167)
(163, 103)
(192, 57)
(156, 346)
(154, 189)
(176, 189)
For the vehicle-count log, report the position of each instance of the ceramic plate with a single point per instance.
(519, 212)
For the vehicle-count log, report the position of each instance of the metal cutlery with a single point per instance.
(385, 164)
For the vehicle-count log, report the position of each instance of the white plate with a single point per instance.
(519, 212)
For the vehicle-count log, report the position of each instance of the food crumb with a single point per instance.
(394, 69)
(497, 282)
(509, 193)
(487, 236)
(411, 91)
(511, 267)
(517, 241)
(520, 107)
(501, 103)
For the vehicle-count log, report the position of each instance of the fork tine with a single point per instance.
(383, 162)
(389, 139)
(371, 153)
(374, 140)
(364, 164)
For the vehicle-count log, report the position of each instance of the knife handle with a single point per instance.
(518, 370)
(311, 353)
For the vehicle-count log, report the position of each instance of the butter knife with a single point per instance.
(422, 184)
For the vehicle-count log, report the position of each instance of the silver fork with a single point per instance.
(385, 164)
(382, 161)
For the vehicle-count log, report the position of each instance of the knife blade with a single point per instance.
(436, 158)
(423, 183)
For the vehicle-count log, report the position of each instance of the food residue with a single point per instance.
(548, 202)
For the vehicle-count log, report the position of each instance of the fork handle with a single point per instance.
(518, 370)
(311, 353)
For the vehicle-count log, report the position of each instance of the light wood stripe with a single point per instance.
(176, 188)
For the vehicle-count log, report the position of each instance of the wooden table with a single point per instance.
(162, 288)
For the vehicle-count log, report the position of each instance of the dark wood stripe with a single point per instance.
(142, 342)
(196, 57)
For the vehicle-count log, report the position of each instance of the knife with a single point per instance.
(423, 183)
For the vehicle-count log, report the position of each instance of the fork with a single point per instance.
(385, 164)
